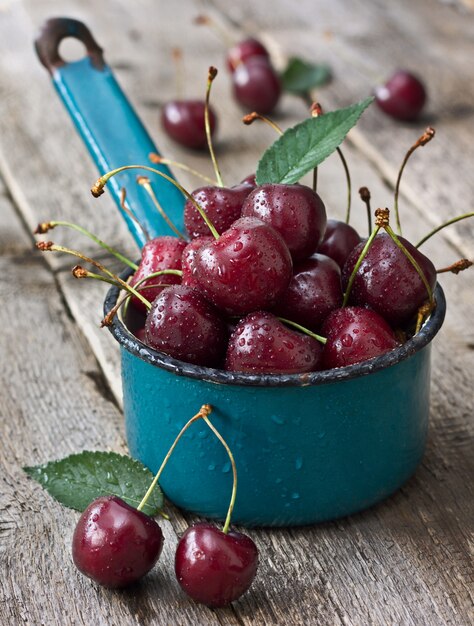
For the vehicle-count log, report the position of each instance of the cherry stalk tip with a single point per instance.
(364, 194)
(382, 217)
(316, 109)
(98, 188)
(155, 158)
(79, 272)
(212, 73)
(44, 246)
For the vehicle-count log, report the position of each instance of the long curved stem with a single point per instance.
(364, 251)
(349, 184)
(159, 160)
(210, 77)
(144, 181)
(98, 189)
(448, 223)
(304, 330)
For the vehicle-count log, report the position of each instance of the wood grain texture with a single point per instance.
(406, 561)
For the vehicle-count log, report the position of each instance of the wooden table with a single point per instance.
(406, 561)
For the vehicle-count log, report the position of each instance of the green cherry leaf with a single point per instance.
(78, 479)
(304, 146)
(300, 76)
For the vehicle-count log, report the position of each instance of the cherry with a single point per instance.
(222, 205)
(402, 97)
(114, 544)
(250, 180)
(245, 50)
(187, 259)
(386, 280)
(355, 334)
(161, 253)
(295, 211)
(261, 344)
(248, 268)
(256, 85)
(183, 121)
(184, 325)
(213, 567)
(314, 291)
(338, 241)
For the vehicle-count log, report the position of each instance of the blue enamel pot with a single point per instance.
(308, 447)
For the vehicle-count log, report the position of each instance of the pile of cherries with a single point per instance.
(254, 295)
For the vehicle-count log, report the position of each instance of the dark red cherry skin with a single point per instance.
(387, 282)
(339, 240)
(161, 253)
(250, 180)
(355, 334)
(184, 325)
(248, 268)
(215, 568)
(261, 344)
(256, 85)
(402, 97)
(245, 50)
(183, 121)
(295, 211)
(222, 205)
(314, 291)
(187, 260)
(114, 544)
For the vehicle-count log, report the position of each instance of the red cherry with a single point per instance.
(222, 205)
(261, 344)
(387, 282)
(187, 259)
(114, 544)
(402, 97)
(184, 325)
(249, 267)
(161, 253)
(339, 240)
(215, 568)
(295, 211)
(354, 335)
(314, 291)
(183, 121)
(245, 50)
(256, 85)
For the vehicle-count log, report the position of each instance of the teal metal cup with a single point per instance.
(308, 447)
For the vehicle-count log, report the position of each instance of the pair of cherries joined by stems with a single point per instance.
(115, 544)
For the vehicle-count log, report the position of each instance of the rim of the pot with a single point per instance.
(416, 343)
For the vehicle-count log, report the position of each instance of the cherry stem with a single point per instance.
(421, 141)
(365, 197)
(144, 181)
(316, 110)
(98, 189)
(304, 330)
(177, 55)
(221, 32)
(49, 246)
(225, 529)
(251, 117)
(364, 251)
(127, 211)
(205, 410)
(80, 272)
(44, 227)
(158, 159)
(418, 269)
(436, 230)
(138, 286)
(212, 73)
(349, 184)
(455, 268)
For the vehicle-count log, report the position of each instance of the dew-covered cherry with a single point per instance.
(314, 291)
(355, 334)
(295, 211)
(184, 325)
(402, 97)
(187, 259)
(160, 253)
(262, 344)
(248, 268)
(387, 282)
(183, 121)
(256, 85)
(114, 544)
(339, 240)
(222, 205)
(215, 568)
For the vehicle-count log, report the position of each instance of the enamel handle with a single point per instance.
(109, 126)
